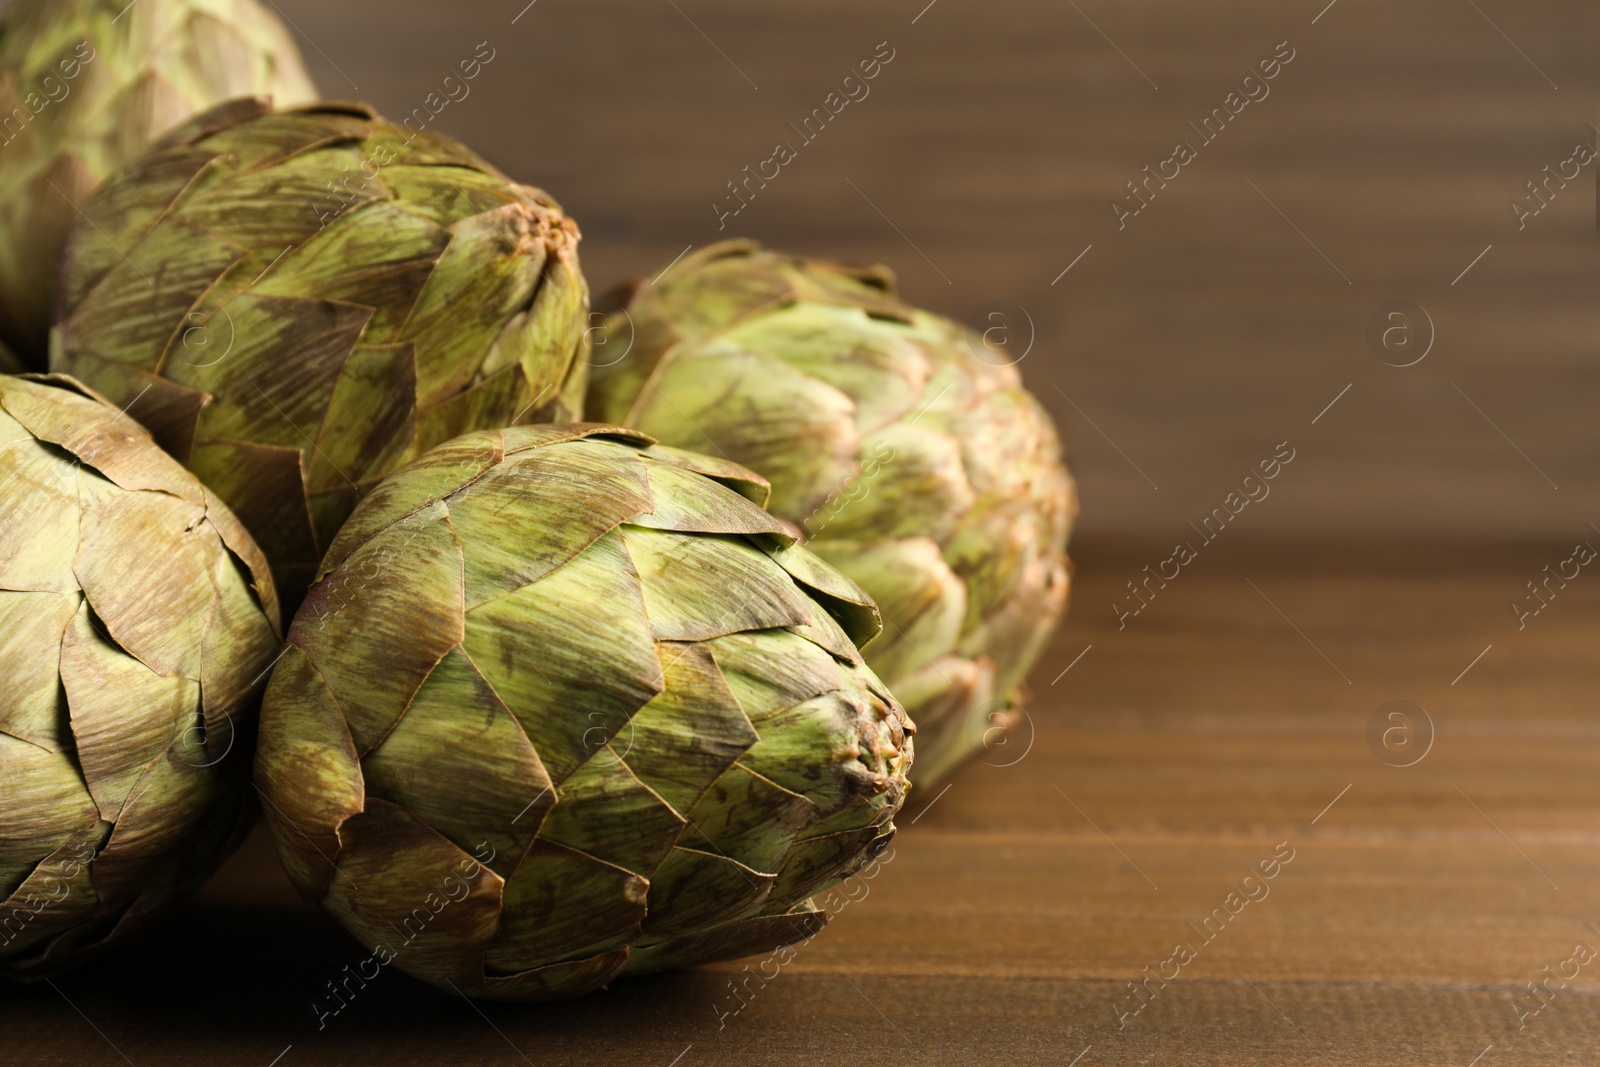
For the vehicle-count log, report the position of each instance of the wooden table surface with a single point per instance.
(1163, 760)
(1172, 757)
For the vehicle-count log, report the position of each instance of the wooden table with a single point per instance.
(1175, 754)
(1232, 715)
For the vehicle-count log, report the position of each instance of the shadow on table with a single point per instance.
(259, 978)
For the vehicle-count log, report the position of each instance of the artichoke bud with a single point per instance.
(84, 88)
(562, 705)
(137, 624)
(304, 300)
(898, 443)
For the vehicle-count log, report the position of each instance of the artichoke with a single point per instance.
(85, 86)
(903, 448)
(137, 623)
(302, 301)
(563, 706)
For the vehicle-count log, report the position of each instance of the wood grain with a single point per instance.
(1231, 714)
(1174, 757)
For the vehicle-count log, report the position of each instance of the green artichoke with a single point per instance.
(298, 302)
(563, 706)
(137, 623)
(903, 449)
(85, 86)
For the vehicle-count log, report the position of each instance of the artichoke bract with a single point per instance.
(564, 706)
(137, 624)
(85, 86)
(308, 299)
(902, 448)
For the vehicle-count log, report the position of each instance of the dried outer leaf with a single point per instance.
(561, 904)
(692, 731)
(485, 786)
(410, 894)
(352, 265)
(169, 411)
(698, 587)
(912, 585)
(238, 541)
(608, 813)
(721, 284)
(306, 341)
(303, 740)
(154, 603)
(694, 889)
(557, 319)
(261, 484)
(402, 589)
(1023, 566)
(42, 805)
(825, 633)
(253, 135)
(576, 641)
(56, 896)
(65, 412)
(370, 406)
(730, 941)
(424, 482)
(125, 214)
(847, 602)
(497, 399)
(535, 512)
(742, 480)
(555, 981)
(147, 295)
(124, 716)
(40, 522)
(688, 502)
(31, 625)
(521, 438)
(160, 820)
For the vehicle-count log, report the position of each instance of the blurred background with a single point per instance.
(1386, 261)
(984, 160)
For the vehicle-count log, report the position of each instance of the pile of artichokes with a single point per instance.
(298, 519)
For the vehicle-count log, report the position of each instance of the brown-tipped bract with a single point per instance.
(904, 448)
(137, 623)
(298, 302)
(563, 706)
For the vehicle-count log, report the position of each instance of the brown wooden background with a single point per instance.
(1230, 714)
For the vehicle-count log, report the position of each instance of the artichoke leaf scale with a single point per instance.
(633, 633)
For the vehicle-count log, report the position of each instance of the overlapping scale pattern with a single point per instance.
(904, 450)
(137, 623)
(563, 706)
(298, 302)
